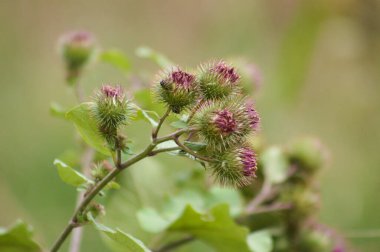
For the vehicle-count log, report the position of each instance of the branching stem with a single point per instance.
(162, 119)
(191, 152)
(119, 167)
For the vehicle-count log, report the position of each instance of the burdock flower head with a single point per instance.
(112, 110)
(76, 48)
(177, 89)
(223, 124)
(218, 80)
(236, 167)
(253, 116)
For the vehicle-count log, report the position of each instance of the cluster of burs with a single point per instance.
(209, 101)
(219, 115)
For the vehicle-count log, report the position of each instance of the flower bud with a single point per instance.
(76, 49)
(314, 241)
(251, 78)
(99, 171)
(218, 80)
(253, 116)
(305, 201)
(224, 124)
(111, 110)
(96, 210)
(235, 167)
(308, 153)
(178, 89)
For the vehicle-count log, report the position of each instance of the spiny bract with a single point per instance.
(236, 167)
(177, 89)
(111, 110)
(223, 124)
(218, 80)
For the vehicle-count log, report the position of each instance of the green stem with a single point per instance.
(110, 176)
(185, 148)
(152, 153)
(162, 119)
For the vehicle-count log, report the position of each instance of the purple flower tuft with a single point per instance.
(338, 249)
(248, 159)
(182, 78)
(225, 121)
(226, 72)
(113, 92)
(253, 116)
(78, 38)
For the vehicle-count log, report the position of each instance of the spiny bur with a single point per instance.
(177, 89)
(236, 167)
(225, 124)
(218, 80)
(112, 109)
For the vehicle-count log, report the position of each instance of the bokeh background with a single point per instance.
(320, 65)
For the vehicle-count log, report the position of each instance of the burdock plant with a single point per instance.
(215, 125)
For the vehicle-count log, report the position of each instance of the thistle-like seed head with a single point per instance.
(112, 109)
(177, 89)
(236, 167)
(76, 48)
(218, 80)
(222, 124)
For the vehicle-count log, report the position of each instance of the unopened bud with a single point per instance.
(76, 48)
(218, 80)
(112, 110)
(224, 124)
(308, 153)
(235, 167)
(177, 89)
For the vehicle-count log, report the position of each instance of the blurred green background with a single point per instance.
(320, 62)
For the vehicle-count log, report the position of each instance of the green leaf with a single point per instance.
(57, 110)
(215, 228)
(260, 241)
(117, 59)
(275, 164)
(87, 127)
(167, 144)
(112, 185)
(18, 238)
(145, 115)
(151, 221)
(123, 241)
(179, 124)
(232, 197)
(195, 146)
(158, 58)
(69, 175)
